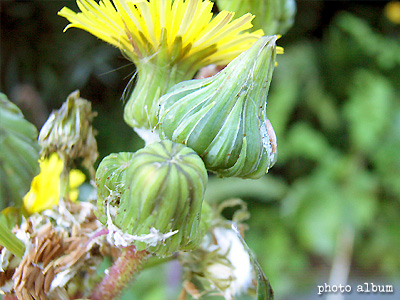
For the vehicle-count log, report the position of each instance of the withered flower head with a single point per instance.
(69, 132)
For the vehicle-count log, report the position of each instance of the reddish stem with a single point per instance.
(120, 274)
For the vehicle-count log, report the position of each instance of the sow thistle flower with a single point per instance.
(45, 187)
(167, 40)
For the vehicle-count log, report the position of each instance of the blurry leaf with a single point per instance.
(359, 191)
(305, 141)
(10, 241)
(11, 216)
(19, 154)
(386, 51)
(295, 67)
(386, 158)
(278, 252)
(368, 110)
(265, 189)
(322, 104)
(339, 192)
(318, 214)
(380, 250)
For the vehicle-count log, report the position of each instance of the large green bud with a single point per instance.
(272, 16)
(223, 117)
(154, 196)
(19, 154)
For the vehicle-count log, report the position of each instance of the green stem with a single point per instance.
(154, 79)
(120, 274)
(158, 70)
(11, 242)
(64, 180)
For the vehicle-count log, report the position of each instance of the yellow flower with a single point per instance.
(392, 12)
(140, 27)
(45, 187)
(168, 40)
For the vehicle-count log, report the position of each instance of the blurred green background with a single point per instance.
(332, 199)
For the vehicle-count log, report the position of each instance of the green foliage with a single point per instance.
(368, 109)
(335, 108)
(18, 156)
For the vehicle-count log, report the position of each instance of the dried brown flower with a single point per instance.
(62, 247)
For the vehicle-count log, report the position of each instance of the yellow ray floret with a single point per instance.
(139, 27)
(45, 187)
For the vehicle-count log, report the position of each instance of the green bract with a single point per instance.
(19, 154)
(155, 195)
(223, 118)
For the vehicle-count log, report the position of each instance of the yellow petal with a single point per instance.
(135, 27)
(45, 187)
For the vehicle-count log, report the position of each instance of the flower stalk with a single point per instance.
(64, 181)
(120, 274)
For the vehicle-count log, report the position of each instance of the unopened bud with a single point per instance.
(223, 118)
(154, 196)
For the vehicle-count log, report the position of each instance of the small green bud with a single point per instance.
(68, 131)
(223, 117)
(154, 196)
(19, 154)
(220, 266)
(272, 16)
(110, 182)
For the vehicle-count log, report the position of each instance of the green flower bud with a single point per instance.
(68, 131)
(223, 117)
(19, 154)
(272, 16)
(154, 197)
(110, 182)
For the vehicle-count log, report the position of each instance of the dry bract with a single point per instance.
(62, 247)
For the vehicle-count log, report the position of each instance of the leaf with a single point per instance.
(264, 289)
(9, 240)
(294, 71)
(386, 158)
(368, 109)
(265, 189)
(339, 192)
(19, 154)
(384, 50)
(305, 141)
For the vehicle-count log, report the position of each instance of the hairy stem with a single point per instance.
(120, 274)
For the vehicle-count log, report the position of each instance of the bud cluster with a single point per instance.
(153, 198)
